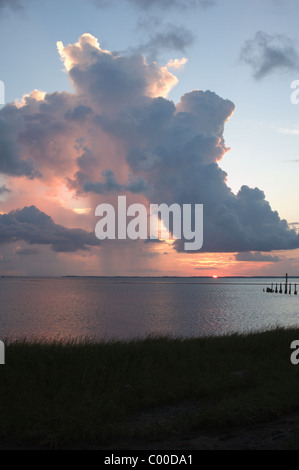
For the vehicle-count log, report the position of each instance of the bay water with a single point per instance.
(134, 307)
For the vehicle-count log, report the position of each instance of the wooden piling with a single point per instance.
(287, 287)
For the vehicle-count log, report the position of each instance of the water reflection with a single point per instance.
(124, 308)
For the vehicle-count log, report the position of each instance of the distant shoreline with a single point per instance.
(145, 277)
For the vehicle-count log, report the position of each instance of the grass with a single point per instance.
(69, 391)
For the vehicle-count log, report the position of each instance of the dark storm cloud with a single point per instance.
(244, 222)
(35, 227)
(110, 185)
(33, 135)
(249, 256)
(267, 53)
(179, 163)
(11, 162)
(79, 113)
(173, 38)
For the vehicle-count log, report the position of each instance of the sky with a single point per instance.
(165, 102)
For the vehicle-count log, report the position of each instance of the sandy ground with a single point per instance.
(272, 435)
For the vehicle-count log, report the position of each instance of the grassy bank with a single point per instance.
(54, 393)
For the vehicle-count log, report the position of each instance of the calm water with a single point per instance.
(134, 307)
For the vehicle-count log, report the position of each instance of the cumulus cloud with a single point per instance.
(112, 80)
(35, 227)
(266, 53)
(118, 132)
(257, 257)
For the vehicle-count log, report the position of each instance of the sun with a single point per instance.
(215, 276)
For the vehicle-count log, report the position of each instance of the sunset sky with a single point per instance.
(164, 101)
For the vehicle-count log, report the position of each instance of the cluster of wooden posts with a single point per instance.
(285, 288)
